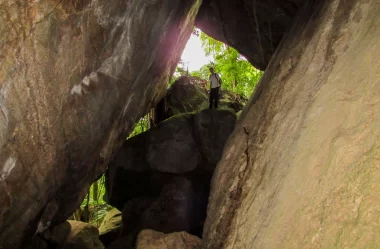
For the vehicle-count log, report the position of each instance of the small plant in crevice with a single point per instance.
(93, 207)
(142, 126)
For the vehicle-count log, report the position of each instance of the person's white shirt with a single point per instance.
(214, 79)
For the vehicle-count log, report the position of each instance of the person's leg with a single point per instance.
(211, 99)
(217, 97)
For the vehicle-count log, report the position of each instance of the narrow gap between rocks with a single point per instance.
(160, 179)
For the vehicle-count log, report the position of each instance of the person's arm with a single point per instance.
(209, 83)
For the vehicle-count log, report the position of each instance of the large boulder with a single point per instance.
(148, 161)
(210, 129)
(82, 236)
(75, 76)
(301, 169)
(254, 27)
(56, 235)
(190, 94)
(186, 94)
(111, 227)
(172, 148)
(149, 239)
(162, 176)
(173, 210)
(133, 209)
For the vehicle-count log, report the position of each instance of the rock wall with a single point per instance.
(253, 27)
(75, 76)
(301, 169)
(149, 239)
(161, 178)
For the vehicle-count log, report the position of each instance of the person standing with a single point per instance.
(215, 84)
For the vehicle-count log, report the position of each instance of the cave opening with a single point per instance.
(160, 179)
(298, 171)
(202, 52)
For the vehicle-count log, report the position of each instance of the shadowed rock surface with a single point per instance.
(301, 170)
(82, 236)
(253, 27)
(162, 176)
(183, 144)
(57, 235)
(75, 76)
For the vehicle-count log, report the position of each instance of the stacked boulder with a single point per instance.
(190, 94)
(67, 235)
(161, 178)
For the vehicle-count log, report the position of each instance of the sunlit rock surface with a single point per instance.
(74, 78)
(110, 228)
(82, 236)
(301, 169)
(149, 239)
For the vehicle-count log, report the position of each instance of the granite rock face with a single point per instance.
(110, 228)
(149, 239)
(82, 236)
(75, 76)
(56, 236)
(186, 144)
(161, 178)
(301, 169)
(253, 27)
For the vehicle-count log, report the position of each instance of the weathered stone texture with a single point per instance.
(162, 176)
(253, 27)
(301, 169)
(74, 78)
(82, 236)
(110, 228)
(190, 94)
(149, 239)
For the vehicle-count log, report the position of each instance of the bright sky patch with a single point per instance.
(193, 56)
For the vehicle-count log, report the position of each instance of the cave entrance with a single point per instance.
(203, 52)
(189, 87)
(160, 179)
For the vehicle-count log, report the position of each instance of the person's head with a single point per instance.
(212, 70)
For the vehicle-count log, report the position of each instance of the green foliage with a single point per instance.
(202, 73)
(237, 74)
(211, 46)
(180, 70)
(93, 207)
(141, 126)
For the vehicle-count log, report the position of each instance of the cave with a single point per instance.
(300, 169)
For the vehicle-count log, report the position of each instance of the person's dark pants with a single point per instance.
(214, 97)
